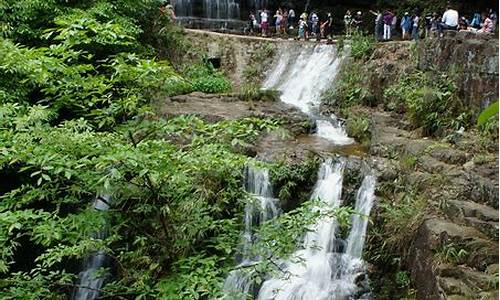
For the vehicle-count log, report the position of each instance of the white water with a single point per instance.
(321, 270)
(302, 74)
(183, 8)
(238, 284)
(88, 283)
(221, 9)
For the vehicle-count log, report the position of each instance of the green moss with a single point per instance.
(359, 127)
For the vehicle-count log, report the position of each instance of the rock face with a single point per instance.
(454, 252)
(473, 57)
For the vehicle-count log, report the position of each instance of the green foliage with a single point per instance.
(451, 253)
(362, 45)
(430, 101)
(488, 113)
(172, 200)
(349, 90)
(291, 181)
(358, 127)
(403, 279)
(204, 78)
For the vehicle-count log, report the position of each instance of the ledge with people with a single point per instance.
(388, 25)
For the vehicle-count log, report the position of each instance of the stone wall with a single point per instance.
(472, 57)
(241, 57)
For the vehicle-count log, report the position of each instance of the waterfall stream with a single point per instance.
(302, 74)
(326, 267)
(238, 284)
(89, 283)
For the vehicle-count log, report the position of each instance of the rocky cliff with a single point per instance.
(473, 58)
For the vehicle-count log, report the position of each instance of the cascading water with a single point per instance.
(183, 8)
(322, 269)
(302, 74)
(221, 9)
(257, 4)
(238, 284)
(89, 284)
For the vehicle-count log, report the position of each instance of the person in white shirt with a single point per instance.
(449, 20)
(264, 25)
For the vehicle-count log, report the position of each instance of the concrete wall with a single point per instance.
(239, 55)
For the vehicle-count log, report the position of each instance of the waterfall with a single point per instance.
(325, 268)
(302, 74)
(221, 9)
(183, 8)
(257, 4)
(238, 284)
(88, 283)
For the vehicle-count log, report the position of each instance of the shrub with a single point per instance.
(358, 127)
(362, 46)
(430, 101)
(204, 78)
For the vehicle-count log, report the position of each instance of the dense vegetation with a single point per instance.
(77, 80)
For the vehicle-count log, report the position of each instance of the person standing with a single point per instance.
(406, 25)
(264, 25)
(284, 21)
(415, 23)
(358, 21)
(302, 29)
(393, 24)
(488, 25)
(493, 17)
(314, 23)
(328, 27)
(252, 21)
(379, 24)
(476, 21)
(278, 17)
(387, 25)
(348, 23)
(291, 18)
(449, 20)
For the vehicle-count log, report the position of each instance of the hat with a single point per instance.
(406, 13)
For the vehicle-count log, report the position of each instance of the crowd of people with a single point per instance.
(387, 24)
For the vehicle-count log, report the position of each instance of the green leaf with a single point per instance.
(488, 113)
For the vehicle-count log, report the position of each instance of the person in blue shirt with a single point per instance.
(406, 25)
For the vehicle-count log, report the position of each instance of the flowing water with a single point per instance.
(238, 284)
(326, 267)
(302, 74)
(221, 9)
(88, 283)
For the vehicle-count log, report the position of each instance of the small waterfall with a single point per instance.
(326, 268)
(257, 4)
(183, 8)
(221, 9)
(238, 284)
(302, 74)
(88, 283)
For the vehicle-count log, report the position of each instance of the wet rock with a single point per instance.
(217, 107)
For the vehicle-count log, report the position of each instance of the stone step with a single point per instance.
(490, 228)
(458, 209)
(461, 280)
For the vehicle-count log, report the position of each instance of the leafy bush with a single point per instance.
(204, 78)
(431, 102)
(362, 46)
(358, 127)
